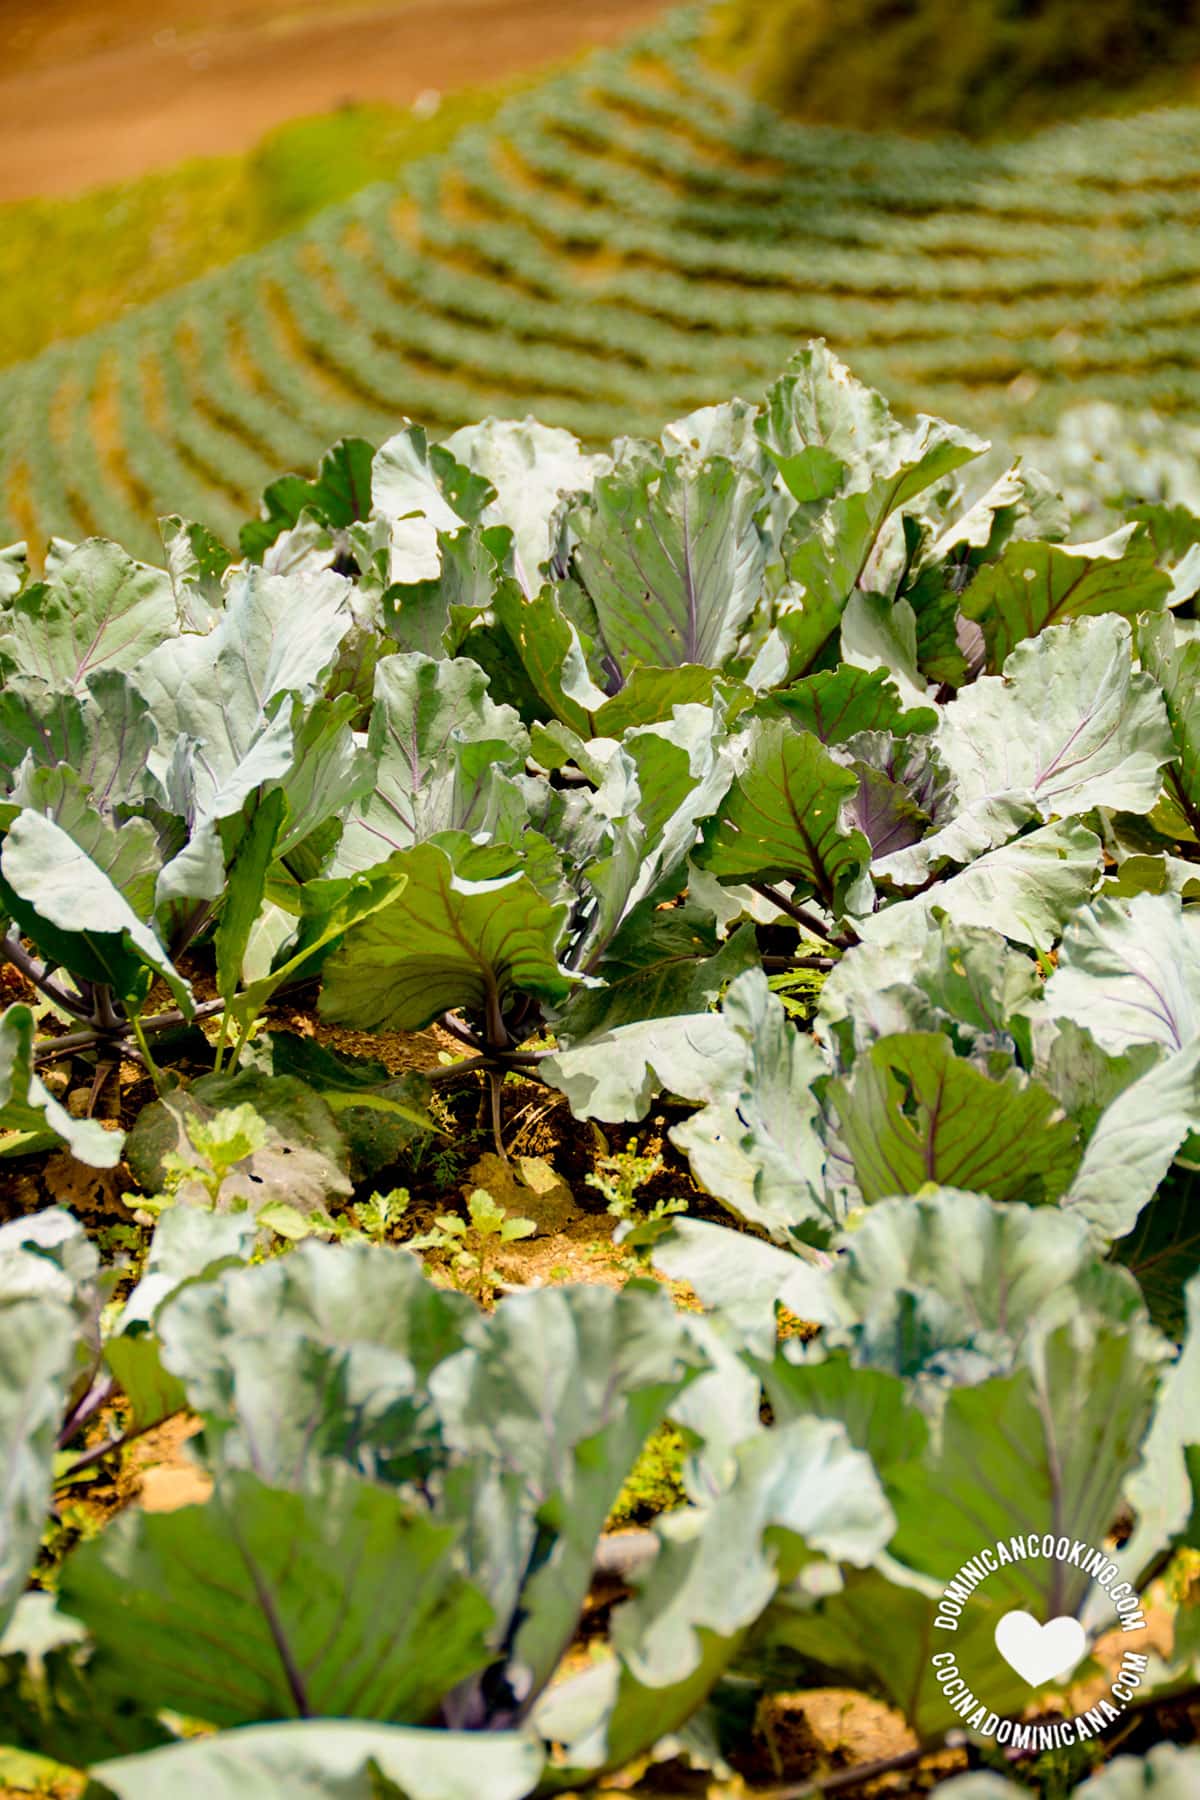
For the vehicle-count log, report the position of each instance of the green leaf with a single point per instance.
(78, 916)
(233, 1134)
(782, 818)
(651, 695)
(330, 772)
(807, 611)
(1025, 1453)
(188, 1245)
(871, 1404)
(546, 1413)
(434, 616)
(59, 1261)
(339, 495)
(1033, 586)
(1134, 1142)
(615, 1075)
(819, 425)
(817, 414)
(246, 891)
(293, 1581)
(196, 561)
(1167, 1772)
(1018, 1455)
(128, 853)
(286, 1221)
(798, 1492)
(150, 1393)
(741, 1277)
(323, 1354)
(436, 740)
(1020, 505)
(30, 1117)
(951, 1284)
(530, 467)
(40, 722)
(418, 490)
(1067, 727)
(1162, 1252)
(449, 939)
(757, 1145)
(303, 1160)
(964, 981)
(328, 910)
(913, 1112)
(658, 964)
(812, 474)
(379, 1114)
(1173, 530)
(37, 1360)
(547, 645)
(48, 1703)
(633, 838)
(1027, 890)
(1175, 665)
(839, 703)
(278, 634)
(877, 1632)
(104, 734)
(222, 693)
(98, 610)
(1129, 971)
(901, 790)
(331, 1759)
(1160, 1488)
(830, 556)
(672, 559)
(14, 570)
(880, 633)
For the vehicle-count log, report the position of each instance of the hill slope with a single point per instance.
(627, 242)
(981, 67)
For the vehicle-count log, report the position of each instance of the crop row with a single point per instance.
(628, 242)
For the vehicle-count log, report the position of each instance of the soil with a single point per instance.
(164, 1476)
(91, 94)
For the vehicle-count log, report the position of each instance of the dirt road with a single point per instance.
(99, 92)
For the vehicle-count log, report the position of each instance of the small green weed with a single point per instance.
(798, 990)
(472, 1245)
(215, 1147)
(619, 1177)
(375, 1217)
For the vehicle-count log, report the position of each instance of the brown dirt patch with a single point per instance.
(398, 1051)
(821, 1731)
(165, 1476)
(92, 94)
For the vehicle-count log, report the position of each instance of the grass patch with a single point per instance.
(70, 265)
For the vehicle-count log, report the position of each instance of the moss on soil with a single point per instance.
(654, 1484)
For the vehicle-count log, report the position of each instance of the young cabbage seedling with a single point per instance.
(473, 1245)
(215, 1147)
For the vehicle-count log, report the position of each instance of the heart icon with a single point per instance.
(1040, 1653)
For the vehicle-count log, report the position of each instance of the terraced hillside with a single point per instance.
(633, 240)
